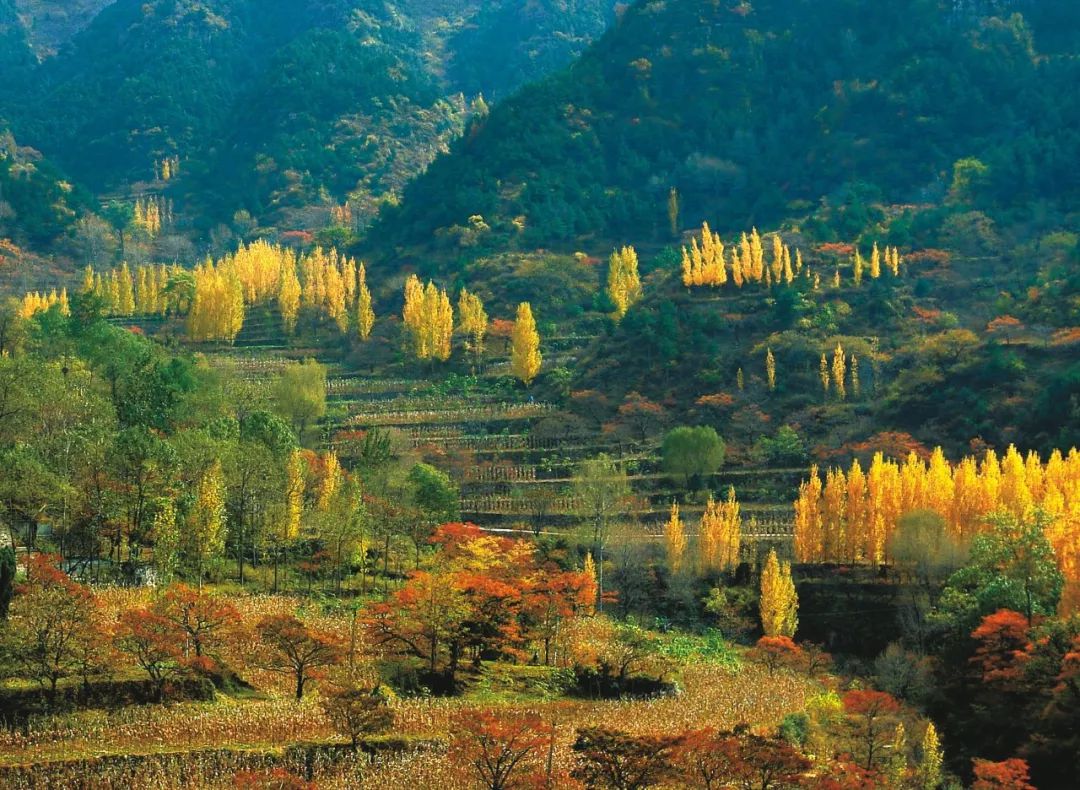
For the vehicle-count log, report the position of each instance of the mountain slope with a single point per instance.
(15, 51)
(754, 111)
(52, 23)
(274, 105)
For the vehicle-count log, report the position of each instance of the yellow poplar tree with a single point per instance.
(336, 302)
(289, 296)
(823, 374)
(757, 256)
(721, 534)
(473, 320)
(675, 540)
(331, 481)
(206, 524)
(294, 495)
(778, 604)
(858, 265)
(590, 573)
(624, 282)
(126, 291)
(929, 772)
(808, 520)
(525, 357)
(839, 371)
(770, 369)
(875, 263)
(365, 313)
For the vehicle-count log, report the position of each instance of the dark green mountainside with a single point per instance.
(52, 23)
(758, 111)
(946, 131)
(274, 106)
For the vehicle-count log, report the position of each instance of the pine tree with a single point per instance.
(365, 313)
(675, 540)
(778, 604)
(525, 358)
(770, 369)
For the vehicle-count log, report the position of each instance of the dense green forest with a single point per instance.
(297, 103)
(764, 112)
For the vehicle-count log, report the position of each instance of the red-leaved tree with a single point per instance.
(1005, 775)
(869, 713)
(506, 751)
(1003, 647)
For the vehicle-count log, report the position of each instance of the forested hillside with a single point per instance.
(384, 405)
(298, 103)
(50, 24)
(761, 111)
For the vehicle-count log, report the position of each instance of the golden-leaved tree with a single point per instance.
(525, 357)
(473, 321)
(365, 313)
(624, 282)
(778, 604)
(675, 540)
(721, 534)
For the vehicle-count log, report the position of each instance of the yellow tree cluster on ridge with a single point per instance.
(706, 264)
(429, 319)
(217, 311)
(853, 515)
(36, 302)
(721, 534)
